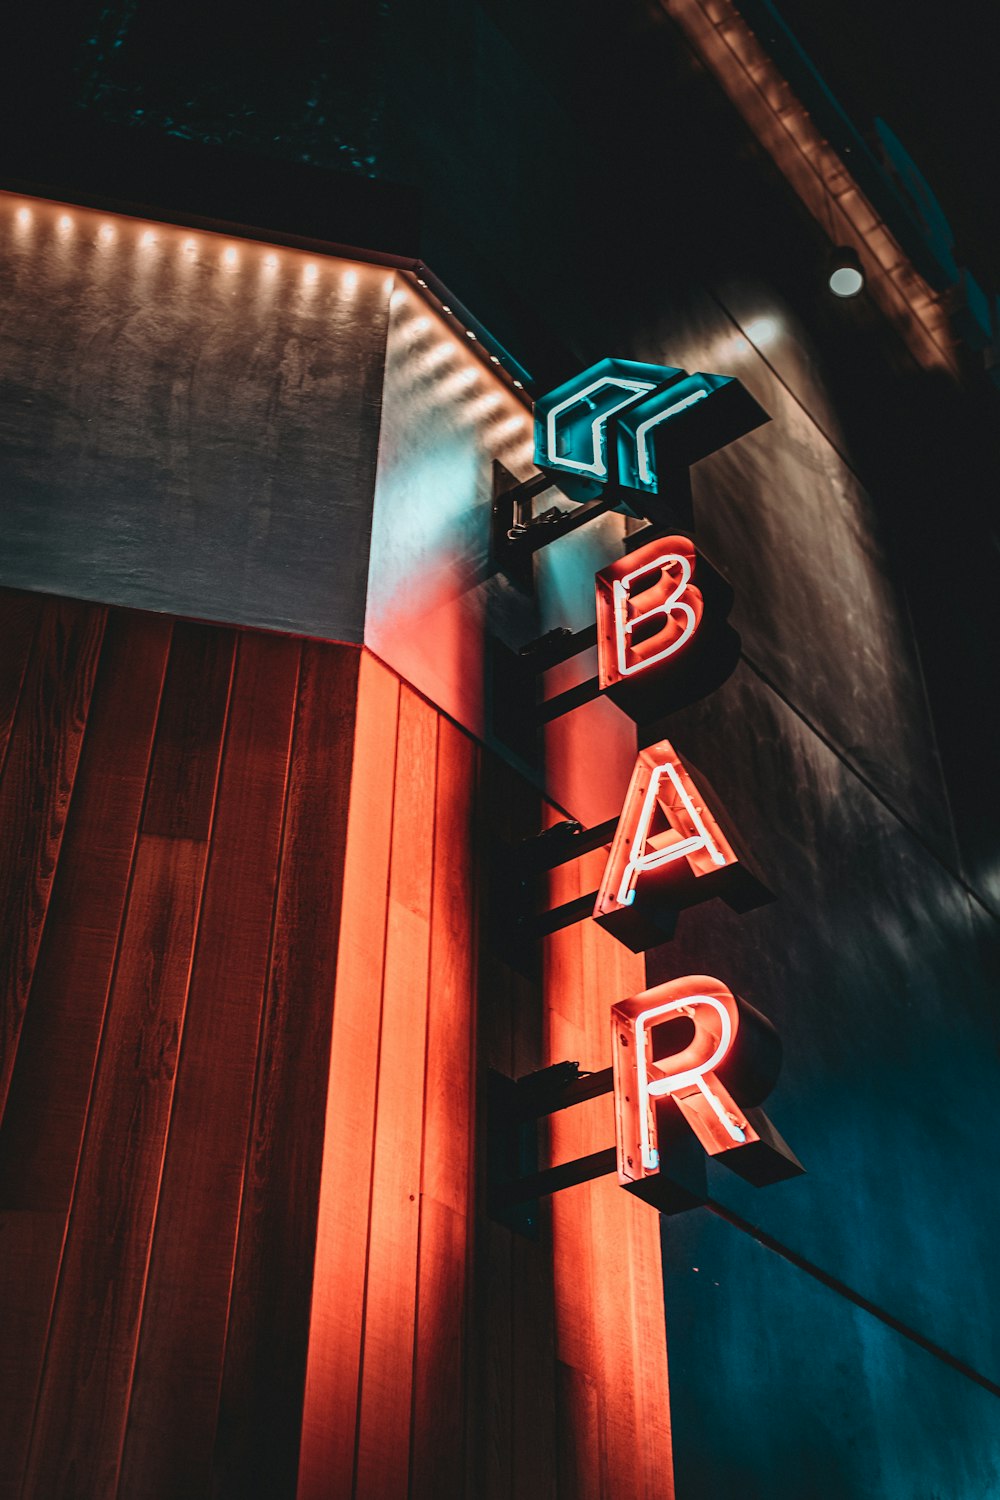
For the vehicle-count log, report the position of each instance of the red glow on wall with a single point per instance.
(648, 610)
(667, 840)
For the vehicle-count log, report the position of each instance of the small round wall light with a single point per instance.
(845, 278)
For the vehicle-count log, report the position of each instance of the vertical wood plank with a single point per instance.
(261, 1400)
(34, 797)
(50, 1086)
(186, 756)
(492, 1364)
(629, 1234)
(448, 1115)
(576, 1291)
(51, 1080)
(171, 1424)
(19, 615)
(533, 1337)
(390, 1291)
(533, 1395)
(439, 1415)
(579, 1458)
(613, 1330)
(572, 1247)
(83, 1399)
(446, 1199)
(503, 818)
(30, 1243)
(329, 1423)
(654, 1451)
(655, 1478)
(615, 1339)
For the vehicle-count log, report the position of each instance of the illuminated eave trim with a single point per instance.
(420, 278)
(814, 170)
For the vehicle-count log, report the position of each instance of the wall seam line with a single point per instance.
(768, 1242)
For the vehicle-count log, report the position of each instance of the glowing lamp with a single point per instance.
(845, 276)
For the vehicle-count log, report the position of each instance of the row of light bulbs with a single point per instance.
(107, 235)
(469, 332)
(230, 257)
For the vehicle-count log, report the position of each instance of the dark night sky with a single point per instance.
(931, 72)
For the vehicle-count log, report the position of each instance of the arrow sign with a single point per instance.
(572, 422)
(642, 420)
(675, 426)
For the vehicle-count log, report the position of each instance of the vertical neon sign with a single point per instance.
(689, 1055)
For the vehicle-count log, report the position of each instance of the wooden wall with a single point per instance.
(447, 1355)
(241, 1222)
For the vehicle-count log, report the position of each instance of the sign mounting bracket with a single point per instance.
(514, 1107)
(516, 533)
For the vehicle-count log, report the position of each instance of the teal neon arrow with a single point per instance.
(649, 419)
(572, 423)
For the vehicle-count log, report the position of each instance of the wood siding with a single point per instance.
(252, 985)
(447, 1355)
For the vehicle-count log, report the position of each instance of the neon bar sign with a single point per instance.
(690, 1056)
